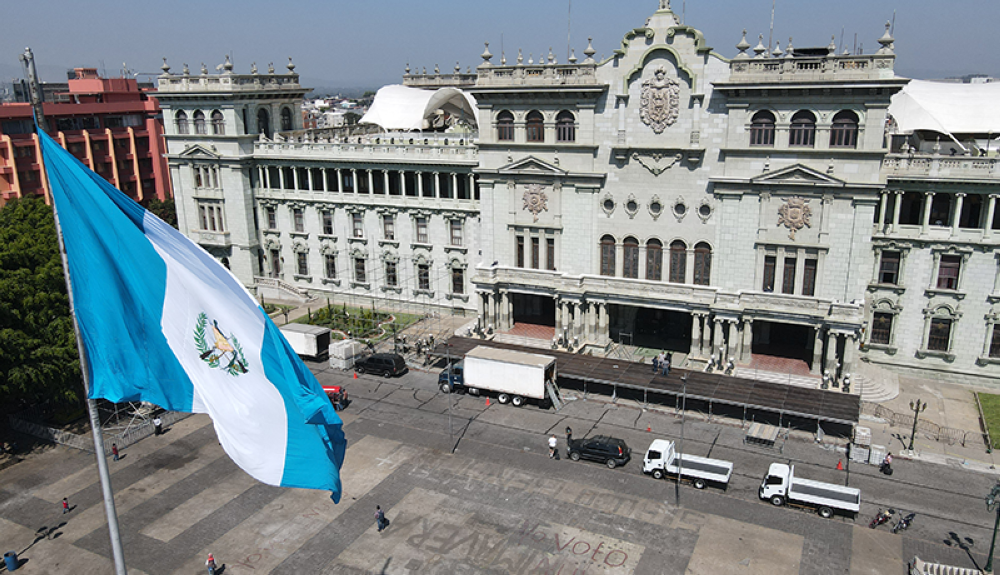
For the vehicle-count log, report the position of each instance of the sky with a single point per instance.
(367, 44)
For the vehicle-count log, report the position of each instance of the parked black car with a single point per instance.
(384, 364)
(612, 451)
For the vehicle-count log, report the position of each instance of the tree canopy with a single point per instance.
(38, 355)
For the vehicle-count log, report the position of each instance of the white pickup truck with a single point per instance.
(781, 486)
(662, 460)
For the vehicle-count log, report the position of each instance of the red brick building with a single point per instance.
(109, 124)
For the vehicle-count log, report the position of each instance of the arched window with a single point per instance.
(182, 122)
(505, 126)
(218, 124)
(762, 129)
(565, 127)
(844, 132)
(678, 262)
(803, 130)
(535, 126)
(654, 260)
(630, 263)
(607, 256)
(286, 120)
(199, 123)
(264, 122)
(702, 264)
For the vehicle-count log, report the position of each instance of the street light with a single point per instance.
(680, 444)
(917, 408)
(993, 504)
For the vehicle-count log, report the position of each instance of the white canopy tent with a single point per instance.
(401, 108)
(952, 109)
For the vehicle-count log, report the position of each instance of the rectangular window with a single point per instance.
(520, 251)
(328, 223)
(203, 214)
(298, 219)
(809, 278)
(888, 269)
(995, 342)
(303, 263)
(275, 264)
(389, 227)
(456, 232)
(358, 225)
(422, 230)
(940, 334)
(424, 277)
(535, 253)
(359, 271)
(770, 263)
(550, 254)
(210, 217)
(882, 328)
(330, 263)
(272, 218)
(948, 272)
(788, 277)
(391, 277)
(457, 281)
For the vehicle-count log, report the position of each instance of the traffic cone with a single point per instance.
(487, 402)
(648, 429)
(840, 465)
(355, 375)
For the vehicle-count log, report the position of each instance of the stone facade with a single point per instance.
(666, 197)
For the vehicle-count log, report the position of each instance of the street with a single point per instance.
(475, 492)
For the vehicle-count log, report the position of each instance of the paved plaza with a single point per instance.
(497, 504)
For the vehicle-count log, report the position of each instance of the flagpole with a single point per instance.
(95, 420)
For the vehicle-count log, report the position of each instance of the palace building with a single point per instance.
(796, 204)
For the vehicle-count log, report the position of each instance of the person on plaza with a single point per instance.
(157, 426)
(569, 434)
(886, 466)
(114, 451)
(656, 364)
(210, 564)
(65, 504)
(552, 446)
(379, 518)
(665, 366)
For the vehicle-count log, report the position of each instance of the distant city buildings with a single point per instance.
(793, 203)
(109, 124)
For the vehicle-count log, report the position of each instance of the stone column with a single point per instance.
(990, 210)
(260, 177)
(731, 344)
(747, 350)
(817, 363)
(717, 345)
(926, 221)
(881, 212)
(558, 315)
(385, 181)
(480, 309)
(602, 321)
(325, 176)
(454, 185)
(831, 353)
(695, 335)
(472, 187)
(565, 318)
(505, 310)
(850, 341)
(295, 179)
(591, 322)
(281, 177)
(371, 182)
(489, 313)
(309, 179)
(957, 216)
(437, 184)
(896, 210)
(420, 184)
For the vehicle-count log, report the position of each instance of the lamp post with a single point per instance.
(451, 390)
(680, 444)
(993, 504)
(917, 407)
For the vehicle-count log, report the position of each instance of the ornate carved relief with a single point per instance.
(535, 200)
(659, 105)
(655, 207)
(679, 208)
(631, 206)
(654, 162)
(794, 214)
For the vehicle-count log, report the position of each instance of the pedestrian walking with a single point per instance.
(114, 451)
(656, 365)
(569, 434)
(379, 518)
(553, 443)
(157, 426)
(65, 504)
(210, 564)
(666, 366)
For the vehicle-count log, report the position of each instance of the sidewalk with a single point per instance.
(948, 405)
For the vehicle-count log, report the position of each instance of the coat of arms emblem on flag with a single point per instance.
(224, 352)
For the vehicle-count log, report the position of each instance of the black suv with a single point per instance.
(384, 364)
(610, 450)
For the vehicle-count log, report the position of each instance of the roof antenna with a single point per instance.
(771, 33)
(569, 27)
(892, 29)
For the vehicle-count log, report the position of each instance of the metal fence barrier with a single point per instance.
(85, 442)
(948, 435)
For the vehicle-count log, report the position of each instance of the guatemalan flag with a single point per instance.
(162, 321)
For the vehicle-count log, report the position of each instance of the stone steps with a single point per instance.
(523, 340)
(874, 383)
(783, 378)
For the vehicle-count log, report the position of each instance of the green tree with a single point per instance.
(351, 118)
(165, 210)
(38, 355)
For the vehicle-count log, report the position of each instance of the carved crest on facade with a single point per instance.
(535, 200)
(794, 214)
(660, 101)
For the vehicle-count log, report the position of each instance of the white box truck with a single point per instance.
(514, 376)
(309, 341)
(662, 460)
(781, 486)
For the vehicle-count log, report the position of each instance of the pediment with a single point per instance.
(199, 152)
(533, 166)
(798, 174)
